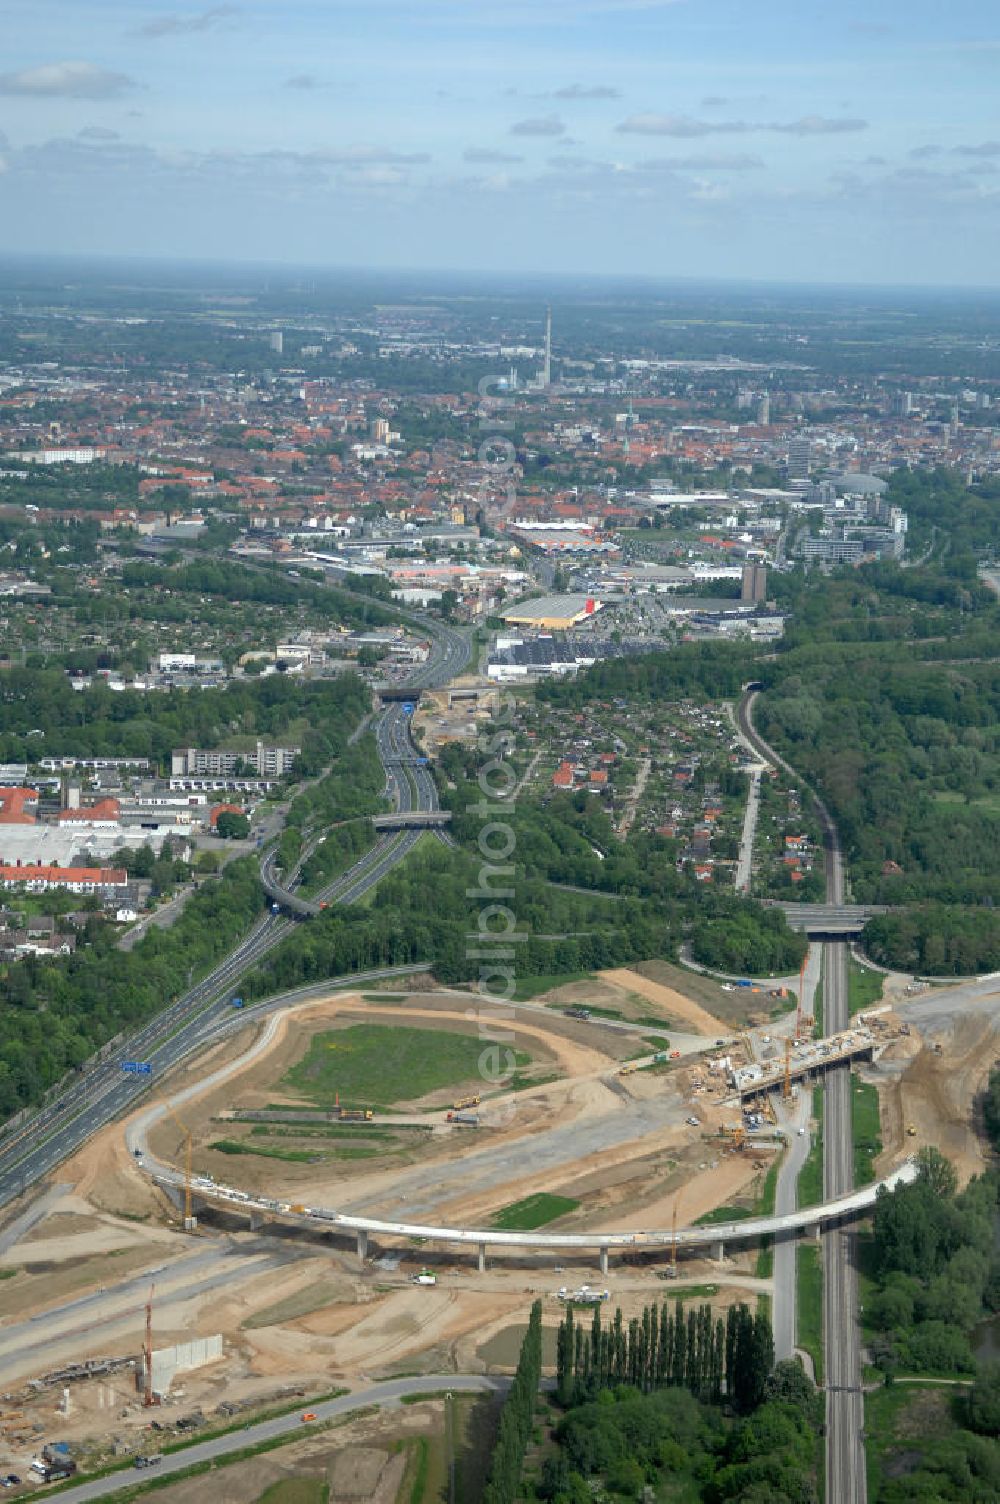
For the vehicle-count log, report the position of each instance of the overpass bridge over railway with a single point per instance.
(830, 919)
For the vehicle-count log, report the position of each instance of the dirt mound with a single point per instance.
(674, 1004)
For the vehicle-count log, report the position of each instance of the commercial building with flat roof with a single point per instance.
(552, 613)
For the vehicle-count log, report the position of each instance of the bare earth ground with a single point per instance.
(295, 1311)
(674, 1005)
(934, 1093)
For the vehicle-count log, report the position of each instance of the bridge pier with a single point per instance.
(719, 1251)
(482, 1258)
(813, 1231)
(256, 1221)
(191, 1224)
(604, 1260)
(362, 1245)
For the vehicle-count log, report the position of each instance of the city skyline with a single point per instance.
(664, 138)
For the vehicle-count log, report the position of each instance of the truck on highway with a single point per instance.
(583, 1013)
(468, 1119)
(236, 1002)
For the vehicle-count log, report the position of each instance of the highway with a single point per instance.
(390, 1392)
(103, 1091)
(846, 1477)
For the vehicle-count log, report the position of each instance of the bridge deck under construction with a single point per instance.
(803, 1059)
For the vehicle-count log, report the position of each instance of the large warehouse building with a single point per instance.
(552, 613)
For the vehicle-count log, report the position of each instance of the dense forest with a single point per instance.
(42, 715)
(56, 1012)
(887, 698)
(682, 1404)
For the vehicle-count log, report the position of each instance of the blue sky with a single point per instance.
(807, 140)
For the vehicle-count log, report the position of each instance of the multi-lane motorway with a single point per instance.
(103, 1091)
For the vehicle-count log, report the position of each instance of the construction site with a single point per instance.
(133, 1315)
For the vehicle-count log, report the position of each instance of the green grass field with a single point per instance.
(864, 987)
(897, 1420)
(989, 803)
(291, 1156)
(811, 1174)
(527, 988)
(375, 1065)
(809, 1303)
(533, 1211)
(866, 1127)
(296, 1491)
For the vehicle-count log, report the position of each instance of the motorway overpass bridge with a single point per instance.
(261, 1209)
(413, 819)
(830, 919)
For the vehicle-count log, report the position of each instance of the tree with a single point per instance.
(789, 1382)
(984, 1400)
(231, 826)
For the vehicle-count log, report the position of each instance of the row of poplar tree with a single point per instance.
(516, 1417)
(713, 1359)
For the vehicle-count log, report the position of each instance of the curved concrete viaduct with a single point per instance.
(714, 1236)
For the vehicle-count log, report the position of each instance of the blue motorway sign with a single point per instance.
(407, 708)
(137, 1067)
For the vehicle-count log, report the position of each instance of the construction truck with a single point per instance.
(355, 1114)
(464, 1102)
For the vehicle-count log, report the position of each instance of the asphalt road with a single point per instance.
(113, 1316)
(104, 1091)
(388, 1393)
(785, 1244)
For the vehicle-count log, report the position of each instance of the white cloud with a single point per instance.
(819, 125)
(72, 80)
(736, 162)
(542, 125)
(984, 149)
(486, 156)
(174, 26)
(587, 91)
(685, 127)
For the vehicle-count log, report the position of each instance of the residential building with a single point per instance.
(266, 762)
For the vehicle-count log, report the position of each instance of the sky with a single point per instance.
(844, 141)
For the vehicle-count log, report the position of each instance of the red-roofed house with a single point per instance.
(103, 812)
(17, 806)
